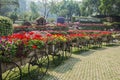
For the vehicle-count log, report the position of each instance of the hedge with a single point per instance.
(6, 27)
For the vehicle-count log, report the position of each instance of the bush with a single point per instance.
(27, 23)
(22, 28)
(73, 19)
(6, 27)
(13, 16)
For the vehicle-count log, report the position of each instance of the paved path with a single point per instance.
(101, 64)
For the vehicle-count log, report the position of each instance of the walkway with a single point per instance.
(100, 64)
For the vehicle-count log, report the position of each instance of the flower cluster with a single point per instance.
(20, 44)
(56, 38)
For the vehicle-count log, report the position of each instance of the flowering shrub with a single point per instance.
(61, 27)
(7, 47)
(20, 44)
(34, 44)
(56, 38)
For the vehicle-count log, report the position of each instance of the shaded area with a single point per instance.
(100, 63)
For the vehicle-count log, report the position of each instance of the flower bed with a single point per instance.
(20, 44)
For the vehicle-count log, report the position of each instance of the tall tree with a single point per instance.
(66, 8)
(45, 7)
(110, 7)
(8, 5)
(90, 7)
(34, 11)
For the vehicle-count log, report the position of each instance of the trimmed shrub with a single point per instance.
(6, 27)
(41, 21)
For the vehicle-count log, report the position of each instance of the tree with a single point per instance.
(34, 11)
(55, 8)
(109, 7)
(89, 7)
(7, 6)
(66, 8)
(14, 16)
(45, 7)
(48, 7)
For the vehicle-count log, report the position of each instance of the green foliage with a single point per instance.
(6, 27)
(66, 8)
(61, 28)
(14, 16)
(109, 7)
(73, 19)
(7, 48)
(63, 12)
(116, 25)
(89, 7)
(29, 16)
(34, 11)
(25, 16)
(51, 20)
(39, 44)
(5, 10)
(7, 6)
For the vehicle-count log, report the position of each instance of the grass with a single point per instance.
(76, 50)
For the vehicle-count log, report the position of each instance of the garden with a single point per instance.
(30, 44)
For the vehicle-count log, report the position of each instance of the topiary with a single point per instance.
(6, 27)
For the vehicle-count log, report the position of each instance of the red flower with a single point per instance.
(49, 35)
(34, 47)
(31, 33)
